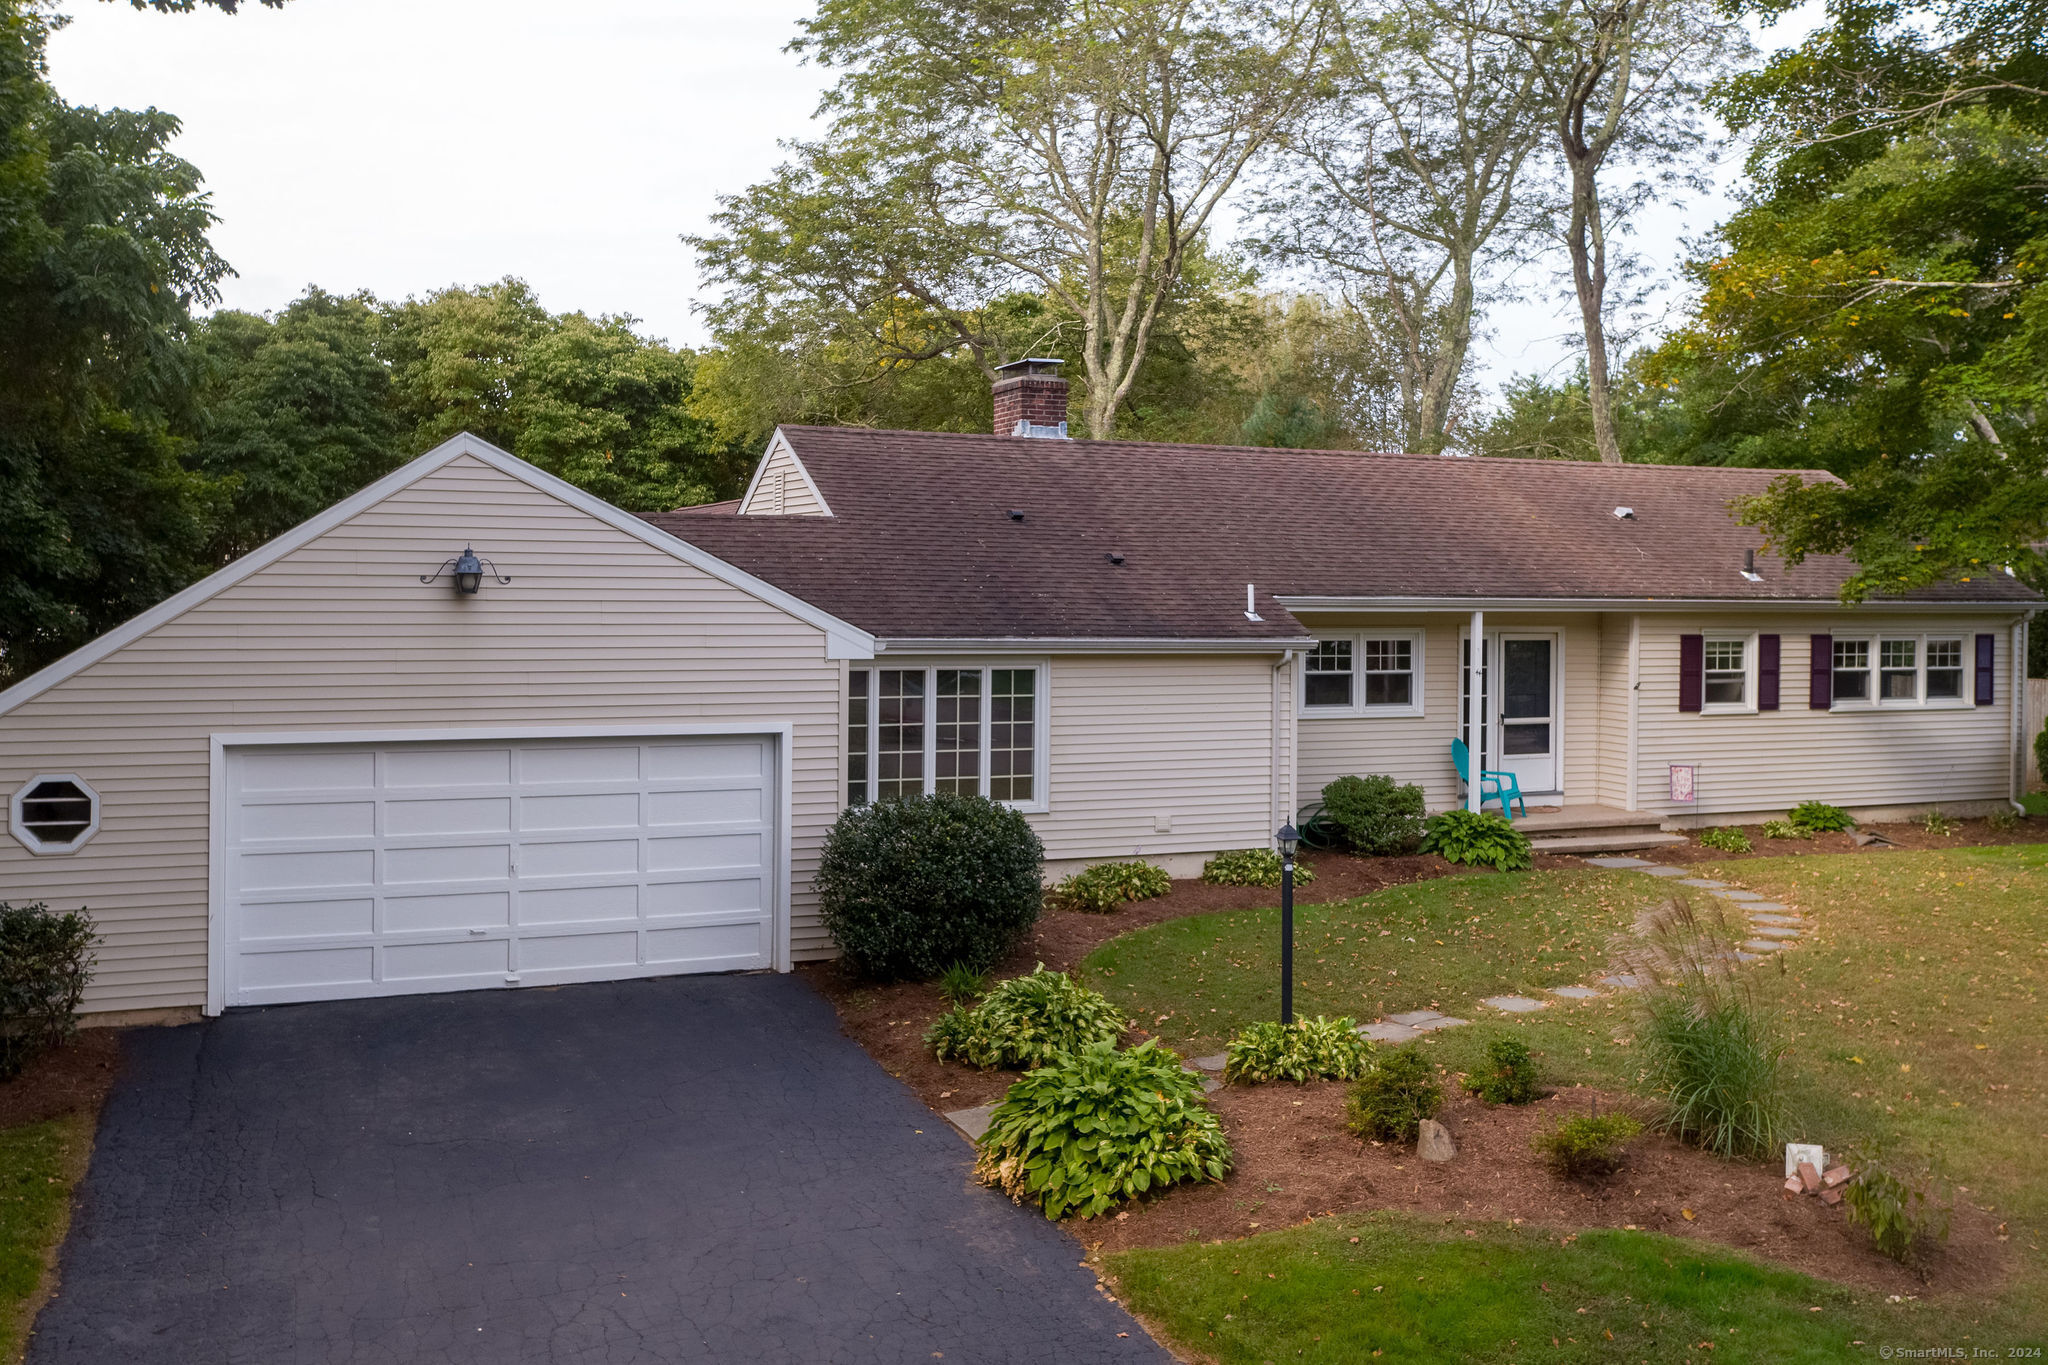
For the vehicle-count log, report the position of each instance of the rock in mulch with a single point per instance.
(1433, 1142)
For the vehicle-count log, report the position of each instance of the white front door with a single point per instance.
(1525, 722)
(393, 869)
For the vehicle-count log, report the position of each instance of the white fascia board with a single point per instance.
(842, 639)
(1555, 604)
(1090, 645)
(780, 442)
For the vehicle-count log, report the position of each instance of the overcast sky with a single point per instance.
(405, 145)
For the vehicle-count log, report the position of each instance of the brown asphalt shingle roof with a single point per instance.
(921, 544)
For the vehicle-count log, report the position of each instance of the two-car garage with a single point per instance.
(355, 869)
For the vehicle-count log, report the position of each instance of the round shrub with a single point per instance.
(1026, 1022)
(45, 960)
(1103, 887)
(1585, 1146)
(1479, 838)
(909, 888)
(1510, 1074)
(1094, 1128)
(1252, 867)
(1375, 814)
(1389, 1103)
(1317, 1049)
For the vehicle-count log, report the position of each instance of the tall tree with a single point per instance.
(1622, 79)
(1076, 151)
(1408, 182)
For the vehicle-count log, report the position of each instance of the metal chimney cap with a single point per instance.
(1037, 364)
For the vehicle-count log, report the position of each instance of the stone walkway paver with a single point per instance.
(1514, 1004)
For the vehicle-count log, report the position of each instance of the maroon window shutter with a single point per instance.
(1820, 692)
(1692, 668)
(1987, 656)
(1766, 672)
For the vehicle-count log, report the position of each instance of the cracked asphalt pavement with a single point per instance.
(696, 1168)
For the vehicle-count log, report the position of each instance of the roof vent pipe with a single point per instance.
(1251, 612)
(1749, 567)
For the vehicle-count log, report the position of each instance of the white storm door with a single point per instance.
(358, 870)
(1525, 727)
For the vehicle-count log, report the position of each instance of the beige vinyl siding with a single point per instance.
(783, 488)
(596, 628)
(1134, 738)
(1418, 748)
(1772, 760)
(1610, 772)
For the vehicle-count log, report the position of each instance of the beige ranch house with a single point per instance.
(473, 728)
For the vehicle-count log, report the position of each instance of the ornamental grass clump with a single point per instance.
(1252, 867)
(1103, 887)
(1478, 838)
(1375, 815)
(1711, 1053)
(1025, 1022)
(909, 888)
(1318, 1049)
(1389, 1102)
(1509, 1076)
(1098, 1127)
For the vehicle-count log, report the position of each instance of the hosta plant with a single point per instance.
(1784, 829)
(1252, 867)
(1727, 839)
(1818, 817)
(1306, 1050)
(1025, 1022)
(1098, 1127)
(1479, 838)
(1103, 887)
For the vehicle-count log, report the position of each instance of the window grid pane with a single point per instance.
(1389, 672)
(1727, 680)
(1897, 678)
(1852, 670)
(1012, 733)
(957, 750)
(899, 733)
(857, 737)
(1326, 680)
(1944, 669)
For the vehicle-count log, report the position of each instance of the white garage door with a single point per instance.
(357, 870)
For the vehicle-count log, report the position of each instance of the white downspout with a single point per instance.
(1281, 811)
(2018, 693)
(1475, 710)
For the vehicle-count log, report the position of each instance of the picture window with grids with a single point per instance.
(969, 731)
(54, 813)
(1363, 675)
(1900, 670)
(1726, 679)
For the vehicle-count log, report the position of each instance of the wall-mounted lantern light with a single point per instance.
(466, 570)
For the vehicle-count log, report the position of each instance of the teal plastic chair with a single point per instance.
(1493, 786)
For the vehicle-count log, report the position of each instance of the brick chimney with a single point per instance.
(1031, 399)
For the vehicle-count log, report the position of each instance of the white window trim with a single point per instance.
(1920, 701)
(1359, 707)
(1748, 705)
(29, 841)
(1041, 737)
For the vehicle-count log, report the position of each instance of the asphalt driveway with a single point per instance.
(699, 1168)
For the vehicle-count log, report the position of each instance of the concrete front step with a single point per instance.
(1585, 819)
(1617, 841)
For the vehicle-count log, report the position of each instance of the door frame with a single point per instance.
(782, 732)
(1491, 720)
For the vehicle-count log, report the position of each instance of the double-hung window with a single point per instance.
(1852, 670)
(1725, 683)
(1900, 670)
(1363, 673)
(1944, 670)
(973, 731)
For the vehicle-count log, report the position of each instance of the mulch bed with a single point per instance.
(1293, 1138)
(74, 1077)
(1905, 835)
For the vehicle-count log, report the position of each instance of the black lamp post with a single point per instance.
(1290, 841)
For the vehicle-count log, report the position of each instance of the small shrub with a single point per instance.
(45, 961)
(960, 984)
(2005, 819)
(1510, 1074)
(2041, 753)
(1818, 817)
(1709, 1048)
(1480, 838)
(1375, 815)
(1025, 1022)
(1095, 1128)
(1308, 1050)
(1727, 839)
(1585, 1146)
(1937, 824)
(1103, 887)
(1898, 1213)
(909, 888)
(1389, 1103)
(1784, 829)
(1252, 867)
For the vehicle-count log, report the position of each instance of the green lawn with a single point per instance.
(1914, 1009)
(1398, 1288)
(39, 1163)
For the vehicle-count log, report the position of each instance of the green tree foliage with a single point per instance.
(103, 255)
